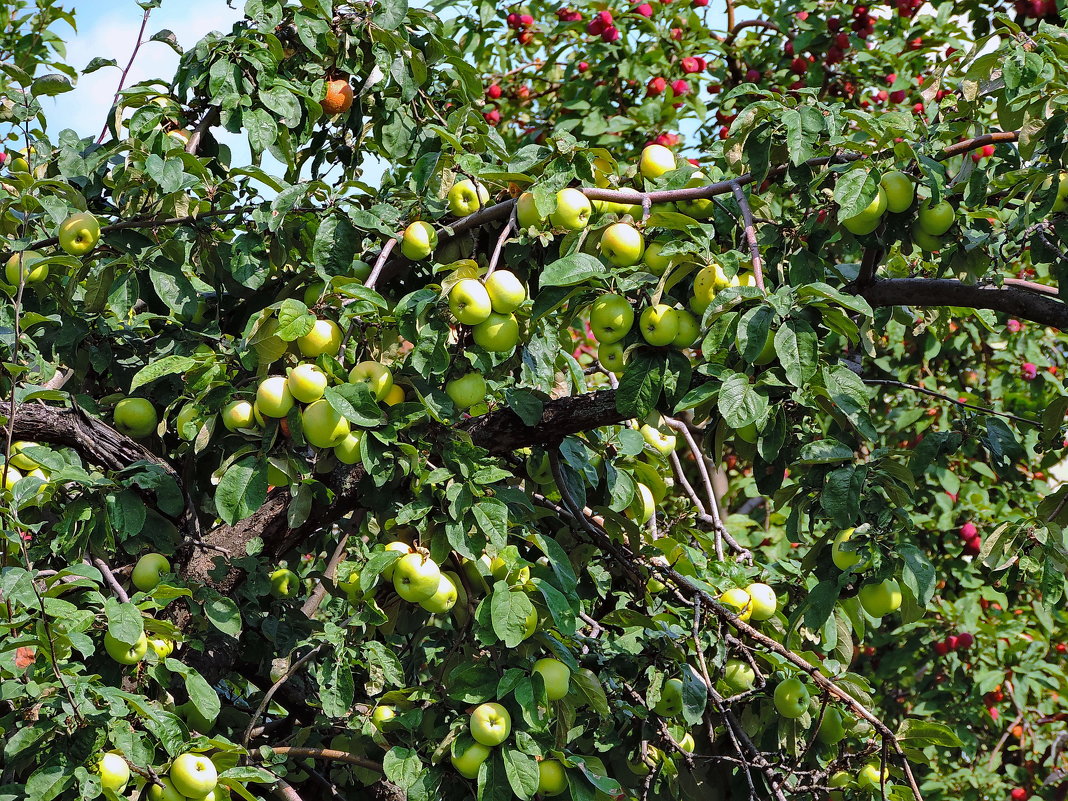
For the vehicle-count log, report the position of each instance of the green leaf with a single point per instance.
(919, 573)
(522, 772)
(402, 766)
(641, 384)
(383, 667)
(740, 403)
(390, 14)
(921, 733)
(509, 610)
(797, 348)
(356, 403)
(222, 612)
(242, 489)
(573, 269)
(125, 623)
(294, 320)
(168, 365)
(853, 191)
(51, 84)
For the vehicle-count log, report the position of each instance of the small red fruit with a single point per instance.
(583, 66)
(494, 92)
(951, 642)
(680, 87)
(799, 65)
(941, 648)
(965, 640)
(644, 10)
(1018, 794)
(492, 117)
(611, 34)
(656, 86)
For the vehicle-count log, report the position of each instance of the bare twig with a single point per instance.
(329, 754)
(129, 66)
(956, 401)
(109, 577)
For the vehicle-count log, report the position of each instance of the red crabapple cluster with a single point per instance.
(961, 641)
(969, 533)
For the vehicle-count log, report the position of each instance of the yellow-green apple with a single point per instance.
(610, 357)
(467, 390)
(377, 377)
(839, 779)
(1061, 203)
(419, 240)
(12, 476)
(325, 337)
(506, 292)
(469, 301)
(273, 397)
(572, 210)
(738, 601)
(490, 724)
(603, 170)
(831, 731)
(709, 280)
(843, 559)
(689, 329)
(880, 598)
(382, 716)
(166, 792)
(701, 208)
(935, 220)
(924, 240)
(791, 698)
(465, 198)
(416, 577)
(323, 427)
(642, 506)
(552, 778)
(126, 653)
(659, 324)
(660, 441)
(653, 260)
(498, 332)
(622, 244)
(348, 450)
(867, 220)
(113, 770)
(187, 422)
(687, 743)
(611, 318)
(900, 191)
(149, 570)
(238, 414)
(871, 777)
(135, 417)
(469, 760)
(764, 601)
(284, 583)
(655, 161)
(530, 625)
(556, 676)
(161, 646)
(400, 547)
(79, 233)
(306, 383)
(443, 599)
(394, 396)
(670, 703)
(24, 262)
(643, 767)
(527, 213)
(20, 459)
(739, 676)
(193, 775)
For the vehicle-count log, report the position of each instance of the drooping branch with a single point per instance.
(749, 228)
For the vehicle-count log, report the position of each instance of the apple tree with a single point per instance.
(658, 400)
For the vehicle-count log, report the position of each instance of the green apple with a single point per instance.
(469, 301)
(348, 450)
(831, 731)
(1061, 203)
(193, 775)
(323, 427)
(498, 333)
(467, 390)
(935, 220)
(609, 207)
(640, 767)
(572, 210)
(443, 599)
(400, 547)
(377, 377)
(924, 240)
(659, 324)
(660, 441)
(687, 743)
(419, 240)
(188, 421)
(468, 761)
(552, 778)
(11, 477)
(125, 653)
(556, 675)
(689, 329)
(738, 601)
(839, 779)
(490, 724)
(763, 599)
(530, 625)
(21, 460)
(900, 191)
(465, 198)
(880, 598)
(325, 337)
(791, 698)
(238, 414)
(642, 506)
(844, 560)
(622, 244)
(416, 578)
(273, 397)
(168, 792)
(394, 396)
(871, 777)
(653, 261)
(702, 208)
(709, 280)
(655, 161)
(739, 676)
(611, 318)
(161, 646)
(610, 357)
(79, 233)
(867, 220)
(506, 292)
(382, 717)
(135, 417)
(670, 703)
(113, 770)
(30, 274)
(306, 383)
(527, 213)
(767, 353)
(149, 571)
(284, 583)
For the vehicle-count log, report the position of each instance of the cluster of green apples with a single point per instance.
(192, 777)
(878, 597)
(21, 465)
(147, 574)
(78, 234)
(897, 194)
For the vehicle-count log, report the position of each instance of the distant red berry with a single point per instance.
(941, 648)
(583, 66)
(972, 547)
(492, 117)
(1061, 647)
(842, 40)
(833, 24)
(690, 65)
(512, 20)
(522, 93)
(644, 10)
(700, 3)
(1029, 371)
(568, 15)
(969, 531)
(524, 37)
(666, 140)
(788, 49)
(799, 65)
(605, 17)
(656, 86)
(493, 92)
(951, 642)
(802, 15)
(965, 640)
(882, 95)
(988, 151)
(752, 76)
(916, 44)
(694, 162)
(917, 108)
(898, 96)
(834, 55)
(1018, 794)
(676, 34)
(611, 34)
(860, 11)
(680, 87)
(595, 27)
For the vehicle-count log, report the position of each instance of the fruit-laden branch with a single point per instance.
(927, 292)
